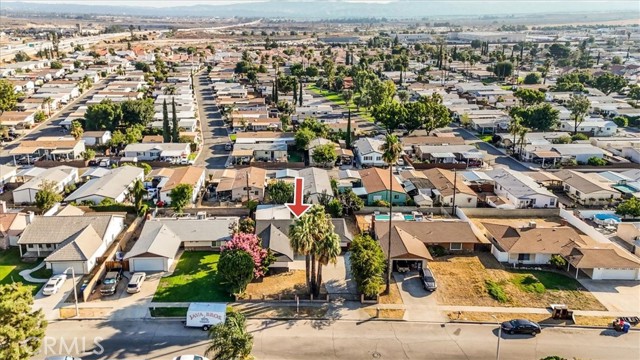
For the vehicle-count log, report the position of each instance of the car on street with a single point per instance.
(228, 146)
(54, 284)
(521, 326)
(190, 357)
(110, 282)
(135, 284)
(428, 280)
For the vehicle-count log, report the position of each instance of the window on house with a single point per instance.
(455, 246)
(552, 202)
(396, 196)
(524, 257)
(255, 193)
(367, 158)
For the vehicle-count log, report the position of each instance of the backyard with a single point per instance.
(11, 265)
(481, 281)
(194, 279)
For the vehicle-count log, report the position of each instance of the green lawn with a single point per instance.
(550, 281)
(337, 99)
(168, 312)
(194, 279)
(486, 137)
(11, 265)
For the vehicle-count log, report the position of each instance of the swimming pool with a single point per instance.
(386, 217)
(607, 217)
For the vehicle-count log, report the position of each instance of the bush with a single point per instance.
(335, 208)
(532, 78)
(496, 291)
(235, 270)
(40, 116)
(89, 154)
(579, 136)
(558, 261)
(531, 284)
(562, 140)
(621, 121)
(595, 161)
(143, 210)
(437, 250)
(367, 265)
(381, 203)
(117, 207)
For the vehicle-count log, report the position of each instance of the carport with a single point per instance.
(406, 249)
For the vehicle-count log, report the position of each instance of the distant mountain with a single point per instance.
(335, 9)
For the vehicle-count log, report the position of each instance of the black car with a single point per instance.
(521, 326)
(110, 282)
(428, 281)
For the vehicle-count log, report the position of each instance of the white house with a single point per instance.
(585, 189)
(115, 185)
(593, 127)
(60, 176)
(70, 241)
(157, 151)
(368, 152)
(92, 138)
(520, 190)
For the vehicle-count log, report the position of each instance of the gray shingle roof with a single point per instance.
(156, 238)
(79, 247)
(273, 238)
(56, 230)
(110, 185)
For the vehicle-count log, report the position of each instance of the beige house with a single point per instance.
(585, 189)
(237, 185)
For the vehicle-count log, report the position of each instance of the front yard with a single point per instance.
(481, 281)
(194, 280)
(11, 265)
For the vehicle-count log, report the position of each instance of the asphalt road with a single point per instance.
(214, 132)
(338, 340)
(52, 126)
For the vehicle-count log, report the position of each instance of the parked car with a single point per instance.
(190, 357)
(135, 284)
(104, 163)
(94, 162)
(228, 146)
(403, 266)
(428, 280)
(110, 282)
(54, 284)
(521, 326)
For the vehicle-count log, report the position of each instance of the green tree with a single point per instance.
(324, 154)
(103, 116)
(391, 150)
(137, 112)
(235, 270)
(634, 93)
(532, 78)
(350, 201)
(118, 139)
(629, 208)
(181, 196)
(21, 328)
(56, 65)
(166, 128)
(8, 96)
(89, 154)
(367, 264)
(76, 129)
(138, 194)
(133, 134)
(303, 137)
(279, 192)
(596, 161)
(334, 207)
(579, 107)
(230, 340)
(503, 69)
(47, 196)
(540, 117)
(608, 83)
(529, 97)
(390, 115)
(21, 56)
(48, 101)
(175, 131)
(40, 116)
(347, 95)
(429, 113)
(313, 236)
(621, 121)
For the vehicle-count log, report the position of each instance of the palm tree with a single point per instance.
(347, 95)
(301, 242)
(230, 340)
(48, 101)
(522, 142)
(391, 152)
(327, 249)
(514, 129)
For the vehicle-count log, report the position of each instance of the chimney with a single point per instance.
(30, 216)
(532, 224)
(3, 207)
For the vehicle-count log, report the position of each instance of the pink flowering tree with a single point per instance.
(251, 244)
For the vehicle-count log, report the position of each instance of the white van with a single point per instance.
(135, 284)
(205, 315)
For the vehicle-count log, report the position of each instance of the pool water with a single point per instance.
(386, 217)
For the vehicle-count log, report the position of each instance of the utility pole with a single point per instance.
(248, 189)
(453, 205)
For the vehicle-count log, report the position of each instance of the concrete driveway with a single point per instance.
(616, 295)
(51, 304)
(412, 291)
(337, 278)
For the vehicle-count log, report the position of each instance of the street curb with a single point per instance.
(541, 325)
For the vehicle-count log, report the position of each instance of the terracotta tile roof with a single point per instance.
(183, 175)
(404, 245)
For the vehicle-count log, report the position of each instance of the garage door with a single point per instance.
(618, 274)
(60, 267)
(140, 264)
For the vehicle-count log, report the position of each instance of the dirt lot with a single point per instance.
(393, 297)
(396, 314)
(287, 284)
(462, 280)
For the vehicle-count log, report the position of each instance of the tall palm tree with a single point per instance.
(301, 242)
(514, 129)
(391, 150)
(522, 142)
(48, 101)
(327, 249)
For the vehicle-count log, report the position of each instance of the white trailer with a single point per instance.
(205, 315)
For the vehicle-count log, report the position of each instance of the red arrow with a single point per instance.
(298, 208)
